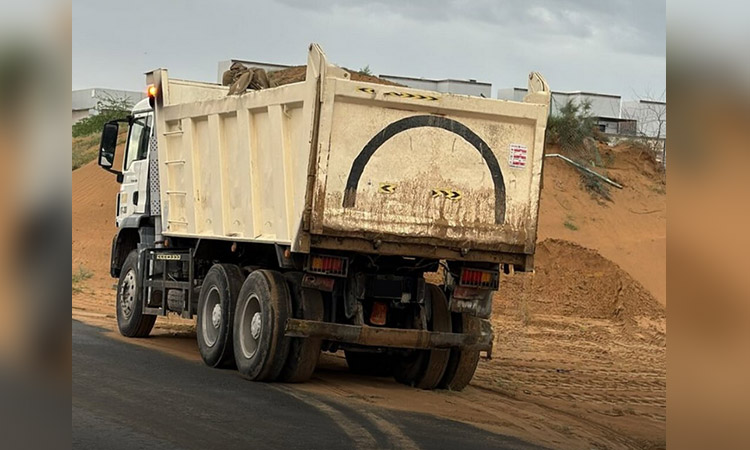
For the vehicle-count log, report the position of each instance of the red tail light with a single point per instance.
(327, 265)
(479, 278)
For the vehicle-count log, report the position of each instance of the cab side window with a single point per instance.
(138, 137)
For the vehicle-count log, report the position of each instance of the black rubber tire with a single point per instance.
(223, 281)
(407, 368)
(425, 368)
(303, 352)
(264, 292)
(463, 362)
(366, 363)
(132, 323)
(437, 360)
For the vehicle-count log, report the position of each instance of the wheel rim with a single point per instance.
(127, 294)
(251, 326)
(211, 316)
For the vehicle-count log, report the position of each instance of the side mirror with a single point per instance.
(108, 144)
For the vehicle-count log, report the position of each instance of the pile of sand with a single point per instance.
(630, 231)
(574, 281)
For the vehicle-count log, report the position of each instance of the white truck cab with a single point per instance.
(131, 200)
(133, 216)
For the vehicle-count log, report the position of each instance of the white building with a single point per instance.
(84, 100)
(463, 87)
(605, 107)
(650, 115)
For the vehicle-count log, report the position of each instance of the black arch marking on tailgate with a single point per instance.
(358, 166)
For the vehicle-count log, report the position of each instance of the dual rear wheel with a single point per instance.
(216, 309)
(242, 323)
(450, 369)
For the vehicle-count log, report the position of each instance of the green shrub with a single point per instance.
(110, 108)
(574, 130)
(571, 127)
(79, 277)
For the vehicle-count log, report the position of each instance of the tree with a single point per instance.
(571, 126)
(650, 113)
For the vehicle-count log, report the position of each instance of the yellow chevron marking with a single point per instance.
(366, 89)
(446, 193)
(409, 95)
(387, 188)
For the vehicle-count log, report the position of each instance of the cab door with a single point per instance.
(132, 198)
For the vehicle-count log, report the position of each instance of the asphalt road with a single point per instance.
(130, 397)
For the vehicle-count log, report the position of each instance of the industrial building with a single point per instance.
(453, 86)
(85, 100)
(606, 108)
(650, 115)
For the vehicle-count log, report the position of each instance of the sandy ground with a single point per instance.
(580, 350)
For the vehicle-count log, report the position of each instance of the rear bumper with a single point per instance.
(390, 337)
(514, 255)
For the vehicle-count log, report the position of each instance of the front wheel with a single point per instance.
(130, 318)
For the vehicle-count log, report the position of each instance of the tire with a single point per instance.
(303, 352)
(425, 368)
(366, 363)
(463, 362)
(129, 305)
(263, 306)
(216, 306)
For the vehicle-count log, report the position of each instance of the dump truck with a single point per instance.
(302, 218)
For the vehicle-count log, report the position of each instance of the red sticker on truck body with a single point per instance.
(517, 156)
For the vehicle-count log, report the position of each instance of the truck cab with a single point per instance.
(131, 201)
(133, 215)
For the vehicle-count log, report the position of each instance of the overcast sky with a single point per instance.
(615, 47)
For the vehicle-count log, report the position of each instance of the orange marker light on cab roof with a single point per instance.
(151, 91)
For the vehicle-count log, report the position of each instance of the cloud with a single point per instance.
(616, 47)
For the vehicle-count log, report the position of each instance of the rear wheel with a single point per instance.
(130, 318)
(425, 368)
(216, 305)
(367, 363)
(462, 362)
(303, 352)
(263, 307)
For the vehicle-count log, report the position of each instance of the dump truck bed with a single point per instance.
(340, 164)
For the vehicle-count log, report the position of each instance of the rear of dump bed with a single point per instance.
(410, 172)
(338, 164)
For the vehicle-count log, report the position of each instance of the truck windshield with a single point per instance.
(140, 132)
